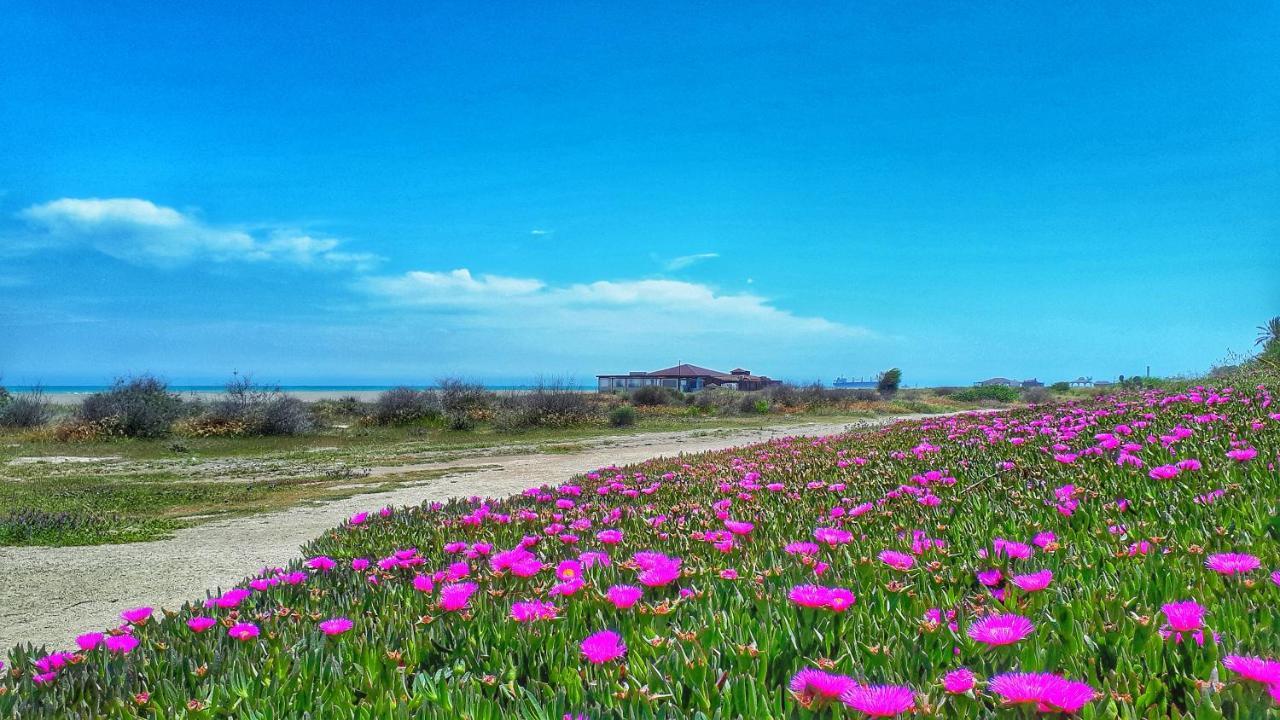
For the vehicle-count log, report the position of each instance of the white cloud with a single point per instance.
(142, 232)
(452, 289)
(685, 261)
(539, 231)
(601, 311)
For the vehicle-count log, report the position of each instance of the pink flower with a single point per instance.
(359, 518)
(729, 574)
(603, 646)
(832, 536)
(243, 631)
(336, 626)
(1033, 582)
(1242, 455)
(1047, 691)
(1262, 670)
(524, 612)
(990, 577)
(360, 564)
(1232, 563)
(656, 569)
(89, 641)
(1003, 629)
(322, 563)
(200, 624)
(960, 680)
(897, 560)
(1163, 472)
(1184, 616)
(623, 596)
(739, 527)
(609, 537)
(121, 644)
(879, 700)
(811, 685)
(136, 616)
(454, 596)
(569, 570)
(817, 596)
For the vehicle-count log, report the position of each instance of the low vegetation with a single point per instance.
(1110, 557)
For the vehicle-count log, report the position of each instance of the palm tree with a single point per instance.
(1269, 333)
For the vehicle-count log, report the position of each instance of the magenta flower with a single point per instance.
(423, 584)
(244, 631)
(832, 536)
(1275, 577)
(656, 569)
(990, 577)
(810, 685)
(738, 527)
(1184, 616)
(454, 596)
(1048, 692)
(1232, 563)
(960, 680)
(609, 537)
(1033, 582)
(524, 612)
(89, 641)
(1242, 455)
(623, 596)
(818, 596)
(120, 644)
(200, 624)
(136, 616)
(603, 646)
(336, 626)
(897, 560)
(880, 700)
(322, 563)
(1004, 629)
(569, 570)
(1163, 472)
(1261, 670)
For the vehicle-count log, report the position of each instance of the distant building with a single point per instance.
(1032, 383)
(685, 378)
(844, 382)
(998, 382)
(1081, 381)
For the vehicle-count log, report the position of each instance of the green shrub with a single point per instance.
(24, 411)
(1060, 387)
(261, 409)
(655, 395)
(989, 393)
(140, 407)
(622, 416)
(889, 381)
(465, 404)
(405, 405)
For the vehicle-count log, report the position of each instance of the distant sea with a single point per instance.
(68, 393)
(82, 389)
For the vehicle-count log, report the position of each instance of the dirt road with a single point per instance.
(49, 595)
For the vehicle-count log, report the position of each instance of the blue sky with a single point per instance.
(391, 192)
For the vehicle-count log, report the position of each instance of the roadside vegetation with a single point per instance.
(1108, 557)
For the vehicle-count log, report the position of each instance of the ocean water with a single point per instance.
(327, 390)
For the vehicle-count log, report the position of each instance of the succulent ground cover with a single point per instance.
(1118, 558)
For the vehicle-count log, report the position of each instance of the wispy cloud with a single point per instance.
(603, 310)
(684, 261)
(141, 232)
(540, 231)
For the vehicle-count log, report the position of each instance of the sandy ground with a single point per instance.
(50, 595)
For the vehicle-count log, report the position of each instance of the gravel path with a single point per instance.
(50, 595)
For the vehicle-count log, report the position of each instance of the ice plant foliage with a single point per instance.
(1115, 557)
